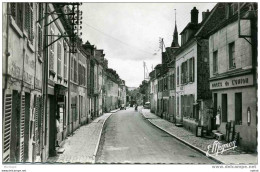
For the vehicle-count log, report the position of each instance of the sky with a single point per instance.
(129, 33)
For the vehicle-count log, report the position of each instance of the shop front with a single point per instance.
(234, 109)
(61, 111)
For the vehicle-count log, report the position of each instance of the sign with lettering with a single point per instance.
(240, 81)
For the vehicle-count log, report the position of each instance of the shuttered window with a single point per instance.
(7, 127)
(40, 41)
(71, 68)
(28, 24)
(75, 70)
(191, 69)
(65, 70)
(22, 128)
(17, 13)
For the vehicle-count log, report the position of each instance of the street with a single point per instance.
(129, 138)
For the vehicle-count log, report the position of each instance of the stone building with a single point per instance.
(111, 90)
(22, 69)
(233, 76)
(193, 97)
(153, 92)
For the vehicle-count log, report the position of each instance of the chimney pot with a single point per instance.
(194, 15)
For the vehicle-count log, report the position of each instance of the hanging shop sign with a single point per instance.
(240, 81)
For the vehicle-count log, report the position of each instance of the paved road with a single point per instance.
(130, 138)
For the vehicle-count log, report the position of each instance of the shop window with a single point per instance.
(215, 62)
(224, 107)
(232, 58)
(238, 108)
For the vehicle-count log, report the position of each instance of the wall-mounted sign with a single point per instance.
(240, 81)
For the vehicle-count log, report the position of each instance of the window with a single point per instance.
(79, 74)
(191, 69)
(165, 85)
(75, 70)
(178, 75)
(59, 58)
(215, 62)
(40, 13)
(28, 23)
(71, 68)
(172, 84)
(186, 72)
(84, 75)
(51, 50)
(17, 13)
(232, 60)
(65, 63)
(40, 40)
(182, 73)
(233, 8)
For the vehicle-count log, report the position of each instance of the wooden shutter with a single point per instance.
(39, 40)
(7, 127)
(36, 124)
(31, 24)
(22, 127)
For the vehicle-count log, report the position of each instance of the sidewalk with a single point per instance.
(81, 147)
(236, 156)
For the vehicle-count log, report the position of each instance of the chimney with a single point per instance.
(205, 15)
(194, 15)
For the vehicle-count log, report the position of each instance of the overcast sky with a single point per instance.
(129, 32)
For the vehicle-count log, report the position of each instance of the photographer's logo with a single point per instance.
(217, 148)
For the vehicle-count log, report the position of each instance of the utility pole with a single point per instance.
(144, 69)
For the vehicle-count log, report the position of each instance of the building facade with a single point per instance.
(51, 81)
(233, 75)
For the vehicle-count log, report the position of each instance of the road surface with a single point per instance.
(129, 138)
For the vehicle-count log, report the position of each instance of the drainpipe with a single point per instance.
(45, 78)
(7, 53)
(69, 106)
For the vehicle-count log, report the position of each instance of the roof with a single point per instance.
(191, 26)
(224, 22)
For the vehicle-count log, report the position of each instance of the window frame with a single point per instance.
(232, 57)
(215, 62)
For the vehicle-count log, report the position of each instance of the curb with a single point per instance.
(99, 137)
(185, 142)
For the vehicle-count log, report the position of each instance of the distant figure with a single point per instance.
(136, 106)
(92, 114)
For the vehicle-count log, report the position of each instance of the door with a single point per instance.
(215, 108)
(238, 108)
(47, 128)
(27, 126)
(224, 108)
